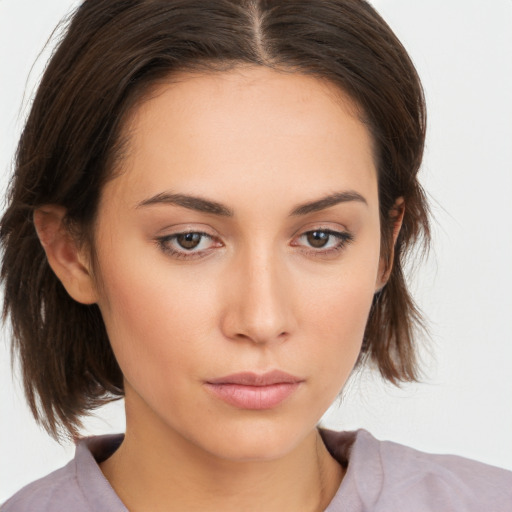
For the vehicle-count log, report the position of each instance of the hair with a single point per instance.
(110, 55)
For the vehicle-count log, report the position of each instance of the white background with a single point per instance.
(463, 51)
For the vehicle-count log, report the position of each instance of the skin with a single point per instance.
(254, 295)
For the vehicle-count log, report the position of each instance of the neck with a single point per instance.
(157, 469)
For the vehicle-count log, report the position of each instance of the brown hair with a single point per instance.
(112, 52)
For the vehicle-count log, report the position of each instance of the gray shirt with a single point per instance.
(381, 476)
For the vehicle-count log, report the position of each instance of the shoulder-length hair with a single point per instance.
(112, 52)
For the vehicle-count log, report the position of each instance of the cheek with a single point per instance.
(155, 317)
(337, 320)
(340, 299)
(335, 313)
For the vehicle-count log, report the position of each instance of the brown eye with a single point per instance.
(189, 240)
(318, 239)
(323, 242)
(188, 245)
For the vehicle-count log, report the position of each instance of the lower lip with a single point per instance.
(253, 397)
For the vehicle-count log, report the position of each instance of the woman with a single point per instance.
(210, 213)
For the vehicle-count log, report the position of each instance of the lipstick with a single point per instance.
(248, 390)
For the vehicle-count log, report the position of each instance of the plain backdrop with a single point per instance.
(463, 52)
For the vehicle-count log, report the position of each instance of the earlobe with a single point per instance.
(66, 259)
(396, 216)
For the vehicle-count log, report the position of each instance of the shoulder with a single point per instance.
(59, 487)
(389, 476)
(79, 486)
(445, 481)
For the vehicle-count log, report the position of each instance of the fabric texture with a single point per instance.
(381, 476)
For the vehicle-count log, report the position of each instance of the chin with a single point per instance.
(255, 439)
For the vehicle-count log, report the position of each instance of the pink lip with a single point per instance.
(249, 390)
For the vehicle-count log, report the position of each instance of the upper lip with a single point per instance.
(257, 379)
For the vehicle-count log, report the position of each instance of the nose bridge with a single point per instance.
(260, 309)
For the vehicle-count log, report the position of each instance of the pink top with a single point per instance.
(381, 476)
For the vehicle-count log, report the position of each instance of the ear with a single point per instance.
(66, 258)
(396, 214)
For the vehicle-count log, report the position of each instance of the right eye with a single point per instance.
(191, 244)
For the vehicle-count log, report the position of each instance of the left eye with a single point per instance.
(189, 241)
(325, 239)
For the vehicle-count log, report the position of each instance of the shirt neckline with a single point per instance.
(351, 449)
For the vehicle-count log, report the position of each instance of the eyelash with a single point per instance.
(164, 244)
(344, 238)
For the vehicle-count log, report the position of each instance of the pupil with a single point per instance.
(189, 240)
(318, 238)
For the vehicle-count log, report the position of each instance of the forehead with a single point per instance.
(203, 131)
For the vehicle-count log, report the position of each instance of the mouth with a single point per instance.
(248, 390)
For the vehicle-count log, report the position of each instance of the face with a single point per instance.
(238, 253)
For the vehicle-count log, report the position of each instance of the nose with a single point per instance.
(259, 305)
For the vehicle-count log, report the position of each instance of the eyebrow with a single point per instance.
(208, 206)
(328, 201)
(191, 202)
